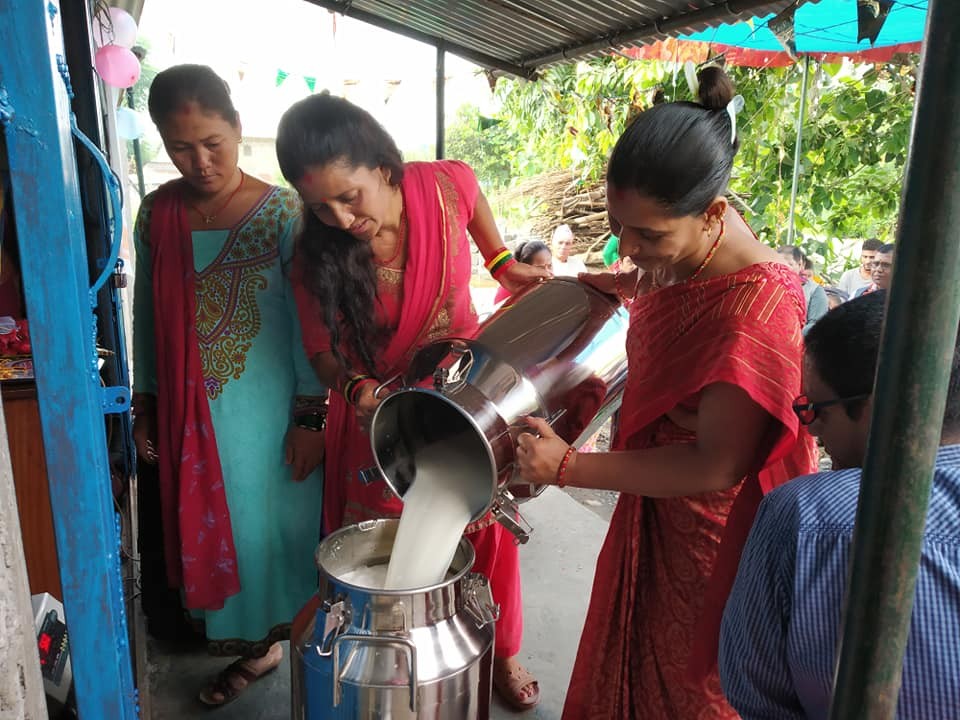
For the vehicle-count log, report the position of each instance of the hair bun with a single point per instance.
(716, 88)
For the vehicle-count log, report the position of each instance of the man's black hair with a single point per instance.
(844, 346)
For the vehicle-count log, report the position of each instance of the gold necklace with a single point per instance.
(209, 219)
(401, 236)
(706, 260)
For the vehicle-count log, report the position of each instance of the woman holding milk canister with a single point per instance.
(706, 426)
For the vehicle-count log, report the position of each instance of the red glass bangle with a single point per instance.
(355, 390)
(562, 470)
(503, 267)
(488, 259)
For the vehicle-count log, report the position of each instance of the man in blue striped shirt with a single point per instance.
(781, 625)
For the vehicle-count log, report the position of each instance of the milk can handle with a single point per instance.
(478, 600)
(385, 385)
(381, 640)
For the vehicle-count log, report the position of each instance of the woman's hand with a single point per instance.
(303, 451)
(539, 458)
(519, 275)
(610, 283)
(367, 403)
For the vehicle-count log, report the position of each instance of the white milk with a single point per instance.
(368, 576)
(436, 510)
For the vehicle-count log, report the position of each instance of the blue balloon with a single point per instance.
(130, 124)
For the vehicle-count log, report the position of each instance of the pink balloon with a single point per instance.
(117, 66)
(115, 27)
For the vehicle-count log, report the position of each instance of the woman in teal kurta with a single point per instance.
(265, 403)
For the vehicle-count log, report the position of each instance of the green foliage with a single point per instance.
(483, 143)
(573, 115)
(852, 156)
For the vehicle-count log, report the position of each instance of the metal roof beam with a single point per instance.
(344, 7)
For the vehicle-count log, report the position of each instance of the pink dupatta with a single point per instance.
(434, 232)
(198, 538)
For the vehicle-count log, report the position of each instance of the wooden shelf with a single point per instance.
(25, 438)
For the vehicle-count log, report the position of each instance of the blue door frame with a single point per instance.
(36, 118)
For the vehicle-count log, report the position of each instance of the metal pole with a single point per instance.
(910, 395)
(137, 155)
(791, 232)
(441, 99)
(35, 118)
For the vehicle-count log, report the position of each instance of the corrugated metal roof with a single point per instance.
(521, 36)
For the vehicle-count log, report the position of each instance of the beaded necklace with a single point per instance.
(703, 265)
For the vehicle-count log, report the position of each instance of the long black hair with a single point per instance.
(680, 153)
(338, 268)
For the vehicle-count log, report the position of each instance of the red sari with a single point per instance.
(427, 299)
(648, 649)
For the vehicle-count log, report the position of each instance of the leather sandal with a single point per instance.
(224, 683)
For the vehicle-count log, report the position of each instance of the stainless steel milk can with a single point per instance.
(556, 350)
(361, 653)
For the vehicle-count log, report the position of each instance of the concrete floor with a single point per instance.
(557, 563)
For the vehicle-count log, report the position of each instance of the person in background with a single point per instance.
(792, 257)
(563, 264)
(531, 252)
(881, 270)
(809, 272)
(706, 425)
(859, 277)
(835, 296)
(225, 401)
(612, 259)
(382, 267)
(781, 626)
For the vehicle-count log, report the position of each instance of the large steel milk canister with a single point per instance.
(556, 350)
(359, 653)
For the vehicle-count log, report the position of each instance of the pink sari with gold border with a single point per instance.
(428, 299)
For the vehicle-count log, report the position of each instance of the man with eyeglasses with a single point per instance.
(881, 271)
(781, 626)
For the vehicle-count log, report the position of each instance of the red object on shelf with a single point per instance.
(16, 342)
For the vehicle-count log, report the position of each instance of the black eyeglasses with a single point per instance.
(807, 411)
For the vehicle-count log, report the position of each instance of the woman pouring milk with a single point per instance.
(383, 266)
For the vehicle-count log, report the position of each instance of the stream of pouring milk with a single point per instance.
(436, 510)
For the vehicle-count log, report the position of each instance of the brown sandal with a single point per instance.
(511, 684)
(222, 684)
